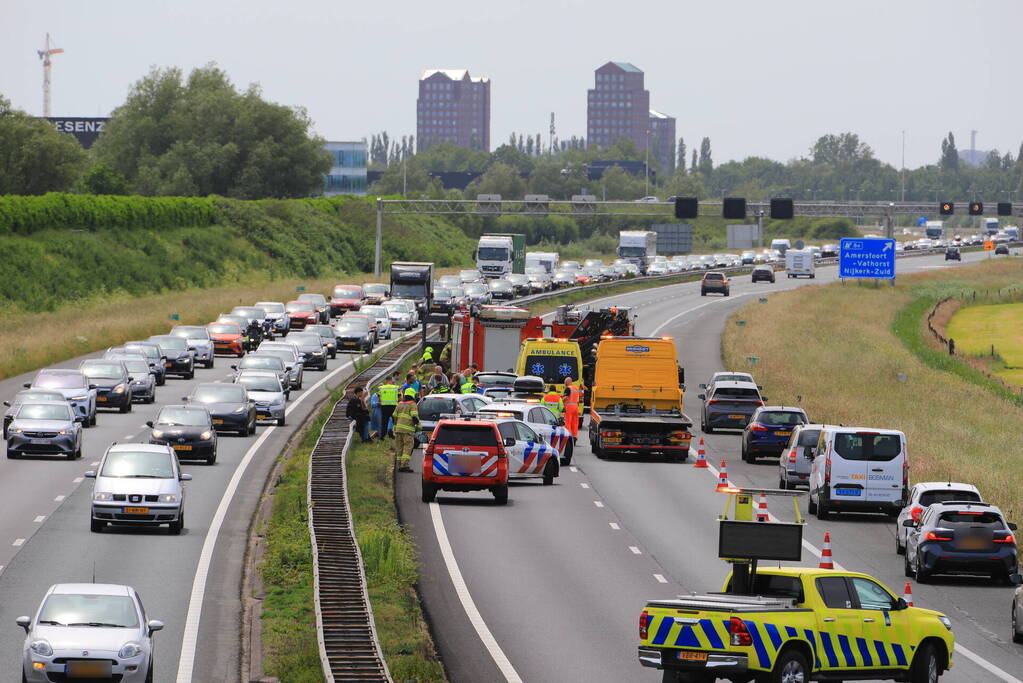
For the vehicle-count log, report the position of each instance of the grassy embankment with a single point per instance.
(289, 633)
(81, 273)
(993, 334)
(838, 351)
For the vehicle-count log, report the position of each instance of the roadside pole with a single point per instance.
(760, 225)
(380, 237)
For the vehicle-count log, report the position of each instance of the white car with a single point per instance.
(138, 484)
(88, 631)
(290, 356)
(541, 419)
(925, 494)
(382, 318)
(859, 469)
(432, 407)
(529, 455)
(402, 313)
(264, 387)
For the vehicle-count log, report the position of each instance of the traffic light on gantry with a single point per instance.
(687, 207)
(976, 208)
(947, 208)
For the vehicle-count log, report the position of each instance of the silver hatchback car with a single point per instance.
(93, 631)
(140, 484)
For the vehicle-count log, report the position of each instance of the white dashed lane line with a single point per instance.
(635, 550)
(598, 503)
(59, 499)
(78, 480)
(584, 485)
(18, 542)
(614, 526)
(39, 519)
(660, 579)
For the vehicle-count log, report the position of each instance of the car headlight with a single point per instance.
(41, 648)
(317, 353)
(206, 436)
(945, 621)
(19, 430)
(157, 434)
(239, 410)
(168, 498)
(62, 432)
(78, 398)
(102, 495)
(119, 389)
(129, 650)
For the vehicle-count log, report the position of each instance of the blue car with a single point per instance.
(961, 537)
(768, 431)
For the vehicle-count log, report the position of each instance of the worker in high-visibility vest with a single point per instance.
(427, 356)
(406, 419)
(388, 395)
(573, 397)
(552, 399)
(469, 385)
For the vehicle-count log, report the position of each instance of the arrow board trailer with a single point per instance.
(799, 263)
(489, 337)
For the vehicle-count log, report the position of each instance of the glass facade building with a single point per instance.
(347, 174)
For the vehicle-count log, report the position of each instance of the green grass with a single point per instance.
(978, 329)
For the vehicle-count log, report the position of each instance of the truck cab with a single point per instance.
(413, 281)
(494, 256)
(638, 247)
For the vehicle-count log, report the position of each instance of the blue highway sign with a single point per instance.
(868, 258)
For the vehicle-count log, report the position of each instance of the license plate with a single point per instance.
(687, 656)
(353, 344)
(136, 511)
(182, 447)
(39, 442)
(972, 543)
(78, 668)
(783, 433)
(262, 416)
(217, 421)
(848, 492)
(169, 365)
(101, 399)
(464, 464)
(736, 417)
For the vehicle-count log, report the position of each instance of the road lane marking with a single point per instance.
(78, 480)
(468, 604)
(657, 330)
(660, 579)
(598, 503)
(189, 639)
(94, 464)
(573, 468)
(18, 542)
(614, 526)
(59, 499)
(39, 519)
(584, 485)
(635, 550)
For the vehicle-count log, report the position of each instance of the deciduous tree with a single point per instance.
(34, 157)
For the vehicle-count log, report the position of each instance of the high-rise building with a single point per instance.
(347, 173)
(662, 142)
(453, 107)
(618, 107)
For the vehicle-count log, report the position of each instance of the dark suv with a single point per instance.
(113, 383)
(953, 254)
(762, 274)
(769, 431)
(714, 281)
(729, 405)
(960, 537)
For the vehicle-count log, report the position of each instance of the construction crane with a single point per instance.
(44, 55)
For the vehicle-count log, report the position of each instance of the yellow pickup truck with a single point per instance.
(796, 624)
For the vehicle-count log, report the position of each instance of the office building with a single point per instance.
(347, 174)
(662, 142)
(618, 106)
(453, 107)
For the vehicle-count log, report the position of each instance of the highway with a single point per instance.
(551, 586)
(45, 537)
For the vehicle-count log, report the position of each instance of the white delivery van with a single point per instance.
(781, 245)
(799, 263)
(859, 469)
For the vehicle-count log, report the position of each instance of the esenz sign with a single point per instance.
(867, 258)
(85, 130)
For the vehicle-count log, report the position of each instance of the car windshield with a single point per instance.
(224, 328)
(75, 609)
(260, 383)
(739, 377)
(736, 392)
(41, 411)
(183, 417)
(145, 349)
(285, 355)
(779, 417)
(304, 338)
(809, 437)
(261, 363)
(313, 298)
(103, 370)
(492, 254)
(347, 293)
(493, 379)
(465, 435)
(351, 326)
(324, 331)
(468, 274)
(190, 332)
(553, 369)
(439, 293)
(138, 368)
(174, 343)
(476, 289)
(713, 276)
(378, 312)
(928, 498)
(248, 311)
(375, 289)
(28, 396)
(298, 306)
(502, 285)
(219, 394)
(272, 307)
(868, 446)
(395, 306)
(138, 465)
(238, 320)
(970, 518)
(432, 408)
(61, 381)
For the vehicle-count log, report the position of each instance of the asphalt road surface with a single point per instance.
(45, 537)
(555, 581)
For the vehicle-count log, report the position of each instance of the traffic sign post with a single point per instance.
(867, 258)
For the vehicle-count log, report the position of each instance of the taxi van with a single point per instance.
(859, 469)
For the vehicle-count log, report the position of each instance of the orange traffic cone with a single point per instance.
(826, 562)
(701, 455)
(762, 514)
(907, 594)
(723, 477)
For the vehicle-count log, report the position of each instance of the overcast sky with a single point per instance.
(758, 78)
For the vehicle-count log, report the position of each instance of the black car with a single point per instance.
(960, 537)
(326, 332)
(353, 335)
(154, 356)
(444, 301)
(953, 254)
(228, 404)
(729, 405)
(762, 274)
(180, 360)
(113, 383)
(310, 345)
(188, 430)
(501, 289)
(1002, 249)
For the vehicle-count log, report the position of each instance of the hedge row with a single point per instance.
(25, 215)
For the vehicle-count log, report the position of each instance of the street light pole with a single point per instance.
(380, 237)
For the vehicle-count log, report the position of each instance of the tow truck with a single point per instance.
(788, 623)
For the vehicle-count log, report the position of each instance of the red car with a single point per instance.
(465, 455)
(346, 298)
(302, 313)
(228, 338)
(582, 279)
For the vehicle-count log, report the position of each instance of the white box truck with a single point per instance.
(548, 260)
(799, 263)
(638, 247)
(495, 255)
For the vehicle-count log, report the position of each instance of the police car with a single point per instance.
(530, 455)
(540, 419)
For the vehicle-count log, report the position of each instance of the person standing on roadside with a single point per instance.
(553, 400)
(358, 411)
(573, 397)
(388, 394)
(406, 419)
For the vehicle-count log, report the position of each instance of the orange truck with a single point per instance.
(636, 399)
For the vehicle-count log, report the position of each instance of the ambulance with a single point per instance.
(550, 359)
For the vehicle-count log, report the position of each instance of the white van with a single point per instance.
(859, 469)
(781, 245)
(799, 263)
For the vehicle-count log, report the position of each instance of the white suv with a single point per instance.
(859, 469)
(139, 484)
(540, 419)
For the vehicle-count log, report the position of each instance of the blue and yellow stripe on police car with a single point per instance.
(831, 650)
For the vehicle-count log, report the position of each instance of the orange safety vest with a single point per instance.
(573, 397)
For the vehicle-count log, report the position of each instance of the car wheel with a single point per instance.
(252, 427)
(745, 454)
(823, 512)
(126, 408)
(500, 494)
(152, 398)
(429, 493)
(811, 506)
(96, 526)
(566, 459)
(161, 380)
(550, 471)
(73, 455)
(190, 374)
(209, 364)
(1017, 637)
(149, 672)
(703, 292)
(899, 548)
(925, 667)
(176, 527)
(11, 455)
(906, 569)
(790, 666)
(782, 484)
(299, 385)
(280, 421)
(919, 573)
(92, 420)
(211, 459)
